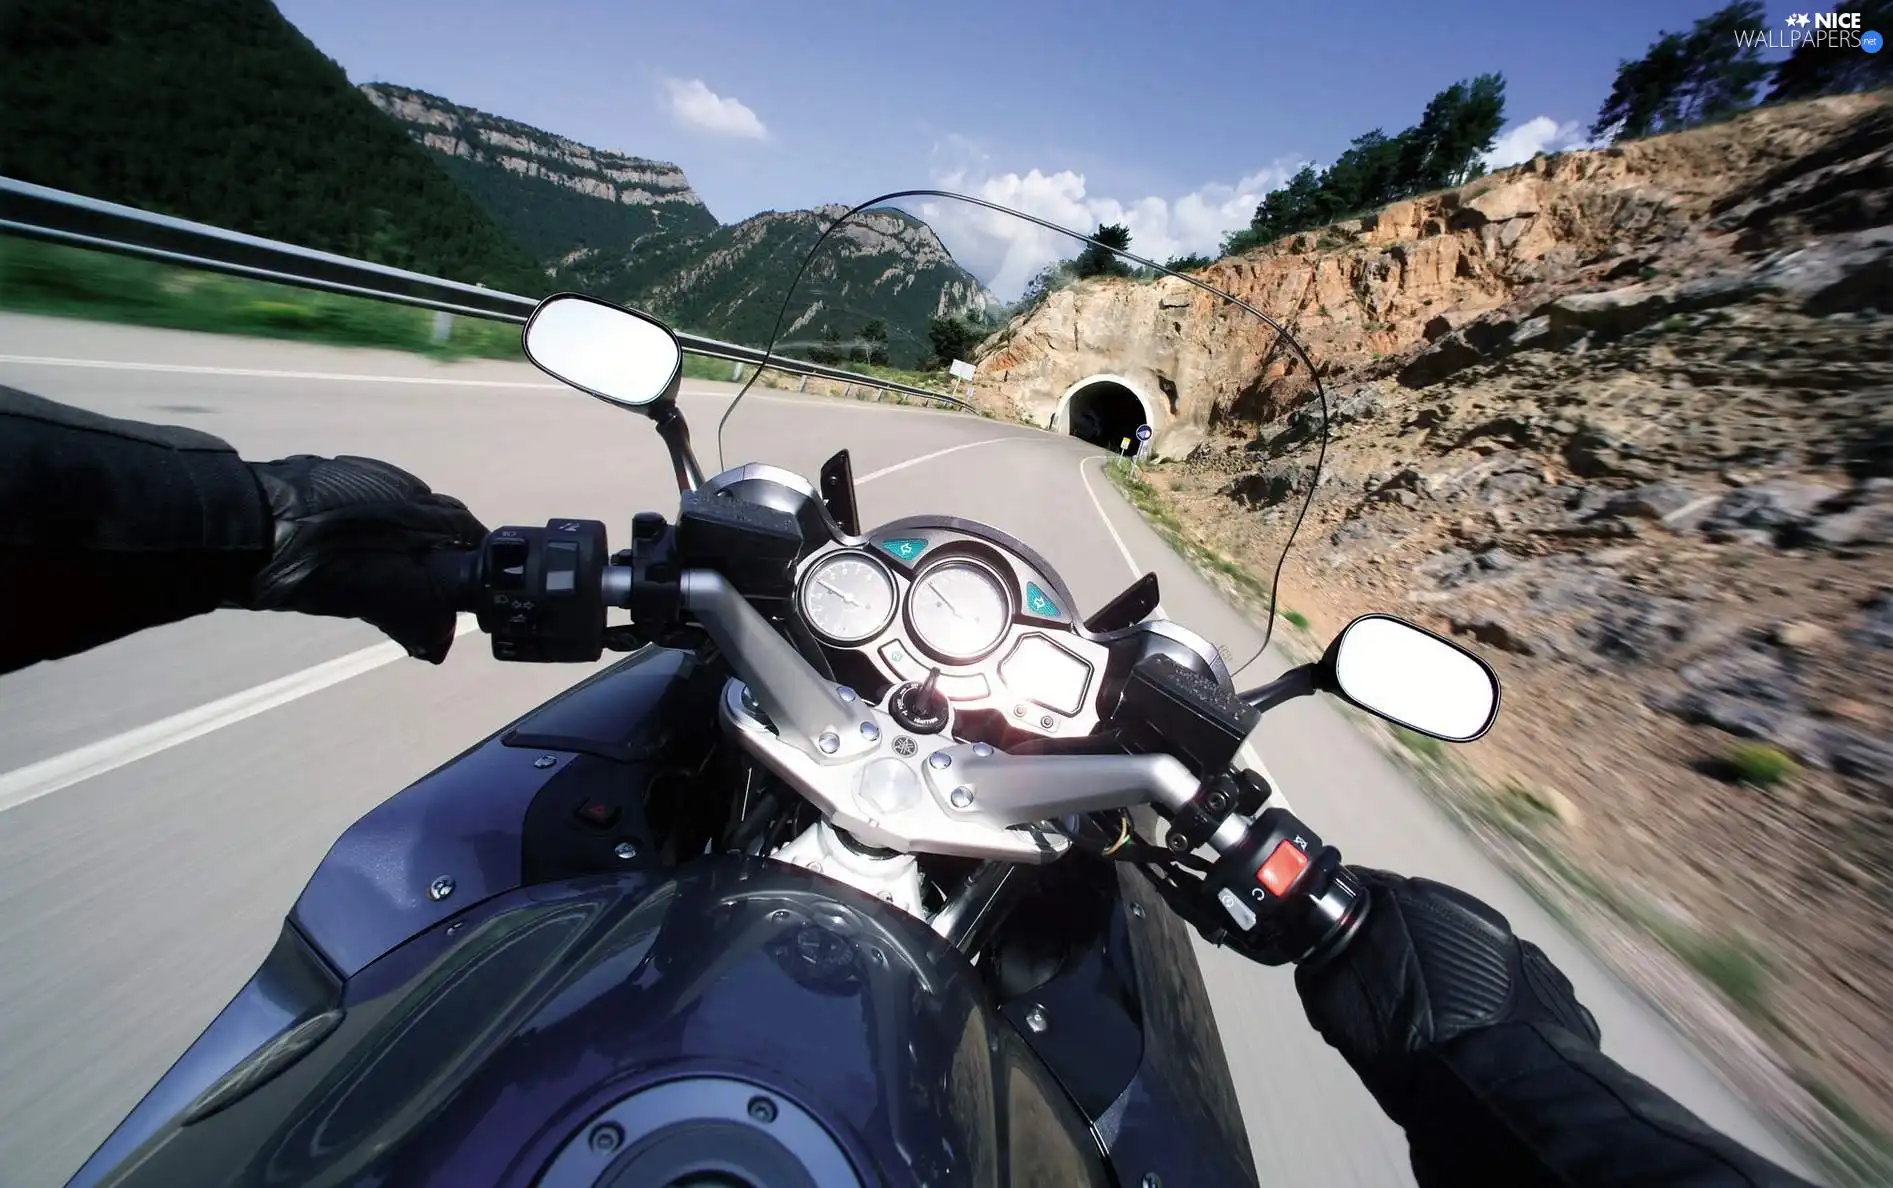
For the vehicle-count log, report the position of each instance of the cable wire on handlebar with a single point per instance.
(1281, 331)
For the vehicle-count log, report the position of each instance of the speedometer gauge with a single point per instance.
(958, 610)
(848, 598)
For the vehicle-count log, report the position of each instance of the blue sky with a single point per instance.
(1173, 114)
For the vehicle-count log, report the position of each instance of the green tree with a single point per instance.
(873, 335)
(1189, 263)
(1101, 261)
(220, 111)
(953, 338)
(829, 352)
(1813, 70)
(1456, 130)
(1366, 176)
(1687, 78)
(1044, 283)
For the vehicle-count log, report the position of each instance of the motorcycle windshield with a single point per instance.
(1069, 334)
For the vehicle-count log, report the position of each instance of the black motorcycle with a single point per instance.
(870, 864)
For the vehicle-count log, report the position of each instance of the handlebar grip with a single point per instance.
(458, 572)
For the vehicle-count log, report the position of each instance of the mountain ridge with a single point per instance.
(633, 229)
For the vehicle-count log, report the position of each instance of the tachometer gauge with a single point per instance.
(958, 610)
(848, 598)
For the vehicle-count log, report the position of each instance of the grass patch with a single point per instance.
(45, 278)
(1756, 764)
(1731, 964)
(1528, 805)
(1862, 1153)
(1297, 618)
(1149, 503)
(1424, 745)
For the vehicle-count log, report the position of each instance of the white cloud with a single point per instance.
(1540, 134)
(1005, 251)
(698, 106)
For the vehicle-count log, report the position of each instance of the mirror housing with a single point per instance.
(1412, 678)
(618, 355)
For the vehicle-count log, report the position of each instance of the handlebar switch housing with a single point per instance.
(541, 591)
(755, 548)
(1285, 894)
(1166, 708)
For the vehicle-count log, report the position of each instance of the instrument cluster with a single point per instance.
(916, 596)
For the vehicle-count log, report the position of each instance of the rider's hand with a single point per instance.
(351, 538)
(1429, 964)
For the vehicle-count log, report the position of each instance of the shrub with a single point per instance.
(1759, 764)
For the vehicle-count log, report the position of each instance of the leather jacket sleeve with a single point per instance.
(109, 526)
(1531, 1103)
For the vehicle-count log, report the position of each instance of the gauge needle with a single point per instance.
(839, 593)
(944, 601)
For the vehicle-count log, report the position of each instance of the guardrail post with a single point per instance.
(804, 385)
(443, 325)
(737, 378)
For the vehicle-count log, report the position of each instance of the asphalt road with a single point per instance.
(140, 892)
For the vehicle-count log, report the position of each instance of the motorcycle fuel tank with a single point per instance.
(611, 1029)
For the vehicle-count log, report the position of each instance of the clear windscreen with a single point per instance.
(1068, 334)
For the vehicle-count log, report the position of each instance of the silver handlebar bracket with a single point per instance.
(810, 714)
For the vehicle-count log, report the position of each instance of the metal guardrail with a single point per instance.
(56, 216)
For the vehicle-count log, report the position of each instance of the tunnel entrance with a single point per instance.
(1105, 413)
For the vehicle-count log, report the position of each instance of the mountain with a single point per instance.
(552, 195)
(732, 282)
(633, 230)
(220, 111)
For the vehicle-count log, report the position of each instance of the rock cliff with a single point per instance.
(1444, 274)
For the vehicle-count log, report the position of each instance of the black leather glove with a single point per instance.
(1429, 964)
(353, 537)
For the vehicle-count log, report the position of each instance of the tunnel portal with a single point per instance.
(1105, 412)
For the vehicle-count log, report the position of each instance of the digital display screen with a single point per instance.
(1039, 670)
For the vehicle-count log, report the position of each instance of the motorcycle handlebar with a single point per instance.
(539, 590)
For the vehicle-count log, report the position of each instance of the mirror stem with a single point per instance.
(1296, 682)
(676, 434)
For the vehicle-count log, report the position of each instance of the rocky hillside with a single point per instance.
(733, 281)
(1365, 292)
(1623, 420)
(552, 195)
(633, 229)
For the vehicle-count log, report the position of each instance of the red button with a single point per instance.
(1284, 866)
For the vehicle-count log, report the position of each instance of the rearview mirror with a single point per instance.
(1412, 678)
(619, 355)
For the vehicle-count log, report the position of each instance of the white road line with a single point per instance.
(865, 479)
(1122, 548)
(261, 373)
(437, 381)
(62, 771)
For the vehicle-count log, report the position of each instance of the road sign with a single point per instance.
(1124, 446)
(1143, 433)
(961, 370)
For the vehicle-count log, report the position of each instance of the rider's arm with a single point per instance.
(1475, 1044)
(110, 526)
